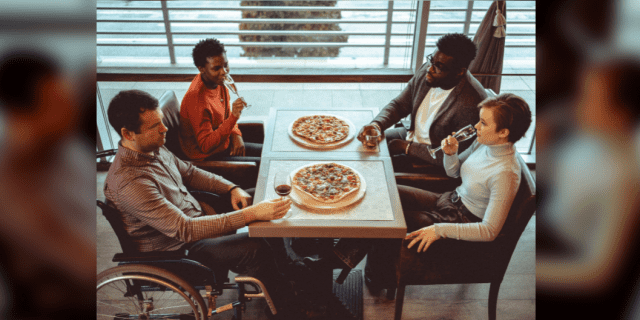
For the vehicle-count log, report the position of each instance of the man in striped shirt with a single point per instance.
(148, 185)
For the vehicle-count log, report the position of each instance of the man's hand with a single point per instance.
(237, 107)
(398, 146)
(237, 145)
(449, 145)
(268, 210)
(426, 236)
(369, 129)
(239, 195)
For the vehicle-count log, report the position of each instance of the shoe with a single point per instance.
(374, 287)
(329, 262)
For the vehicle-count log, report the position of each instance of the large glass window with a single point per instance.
(314, 34)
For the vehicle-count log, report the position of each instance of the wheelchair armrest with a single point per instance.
(149, 256)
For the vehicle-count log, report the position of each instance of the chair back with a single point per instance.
(115, 220)
(170, 107)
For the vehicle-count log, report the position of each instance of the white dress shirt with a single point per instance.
(426, 114)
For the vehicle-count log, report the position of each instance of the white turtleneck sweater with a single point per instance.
(490, 179)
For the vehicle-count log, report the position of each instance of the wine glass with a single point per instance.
(463, 134)
(282, 183)
(231, 85)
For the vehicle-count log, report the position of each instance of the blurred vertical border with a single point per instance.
(588, 138)
(47, 166)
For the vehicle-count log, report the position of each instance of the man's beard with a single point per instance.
(444, 83)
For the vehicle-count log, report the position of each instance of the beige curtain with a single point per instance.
(490, 48)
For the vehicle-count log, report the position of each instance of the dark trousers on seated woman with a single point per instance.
(421, 209)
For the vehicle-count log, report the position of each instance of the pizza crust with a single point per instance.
(326, 182)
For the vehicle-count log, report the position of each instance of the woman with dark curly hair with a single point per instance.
(208, 121)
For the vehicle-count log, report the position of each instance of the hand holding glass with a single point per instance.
(371, 138)
(231, 85)
(463, 134)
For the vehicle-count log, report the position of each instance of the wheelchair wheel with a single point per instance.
(145, 292)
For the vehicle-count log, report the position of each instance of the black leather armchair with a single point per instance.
(450, 261)
(242, 171)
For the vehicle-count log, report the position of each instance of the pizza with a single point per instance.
(326, 182)
(321, 129)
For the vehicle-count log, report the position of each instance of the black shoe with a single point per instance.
(329, 262)
(374, 287)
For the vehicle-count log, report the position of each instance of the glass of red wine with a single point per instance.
(282, 183)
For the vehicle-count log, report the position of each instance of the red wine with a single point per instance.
(283, 190)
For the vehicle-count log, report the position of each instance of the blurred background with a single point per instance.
(588, 165)
(588, 160)
(47, 168)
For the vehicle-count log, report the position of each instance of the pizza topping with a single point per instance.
(327, 181)
(321, 129)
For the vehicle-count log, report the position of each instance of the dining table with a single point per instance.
(377, 215)
(377, 212)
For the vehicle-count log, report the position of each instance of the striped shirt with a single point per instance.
(157, 210)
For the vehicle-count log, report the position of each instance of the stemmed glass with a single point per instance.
(463, 134)
(231, 85)
(282, 185)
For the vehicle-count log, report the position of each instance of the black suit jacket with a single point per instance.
(458, 110)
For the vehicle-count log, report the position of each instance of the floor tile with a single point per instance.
(161, 85)
(269, 86)
(115, 84)
(331, 86)
(378, 98)
(522, 262)
(366, 86)
(350, 99)
(260, 101)
(288, 98)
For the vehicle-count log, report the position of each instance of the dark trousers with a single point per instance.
(262, 258)
(421, 209)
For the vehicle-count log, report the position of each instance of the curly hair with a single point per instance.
(206, 48)
(458, 46)
(127, 106)
(510, 112)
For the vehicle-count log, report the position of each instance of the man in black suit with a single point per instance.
(441, 98)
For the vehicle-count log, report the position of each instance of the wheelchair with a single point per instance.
(166, 284)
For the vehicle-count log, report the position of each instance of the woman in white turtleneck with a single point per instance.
(490, 175)
(475, 211)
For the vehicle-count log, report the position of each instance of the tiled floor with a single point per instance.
(517, 293)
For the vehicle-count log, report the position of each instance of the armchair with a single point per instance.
(450, 261)
(242, 171)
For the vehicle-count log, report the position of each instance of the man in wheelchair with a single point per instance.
(147, 184)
